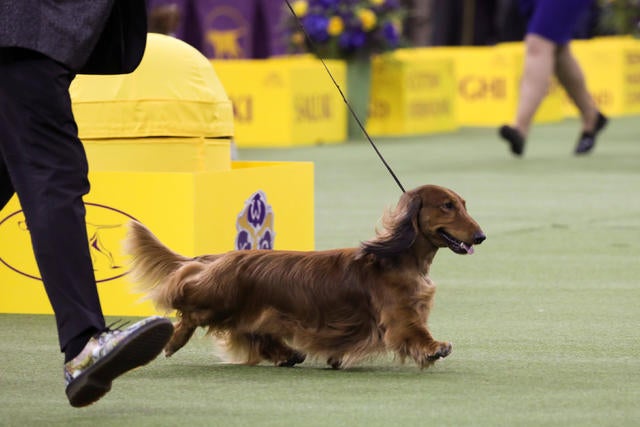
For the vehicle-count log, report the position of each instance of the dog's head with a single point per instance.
(430, 212)
(443, 219)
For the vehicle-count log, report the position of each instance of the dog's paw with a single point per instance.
(334, 362)
(437, 351)
(296, 358)
(443, 349)
(171, 348)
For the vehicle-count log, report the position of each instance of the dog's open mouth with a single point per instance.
(456, 245)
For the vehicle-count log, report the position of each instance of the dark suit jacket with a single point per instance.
(87, 36)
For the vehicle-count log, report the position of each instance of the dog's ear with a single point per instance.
(400, 228)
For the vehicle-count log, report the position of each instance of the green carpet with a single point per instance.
(544, 317)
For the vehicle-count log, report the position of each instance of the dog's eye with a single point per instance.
(448, 206)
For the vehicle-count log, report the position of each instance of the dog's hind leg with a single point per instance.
(335, 362)
(252, 348)
(274, 349)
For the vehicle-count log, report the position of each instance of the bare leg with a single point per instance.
(572, 79)
(538, 68)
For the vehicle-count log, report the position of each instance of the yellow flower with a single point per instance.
(368, 19)
(377, 2)
(336, 26)
(297, 38)
(300, 7)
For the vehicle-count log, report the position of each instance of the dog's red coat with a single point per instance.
(341, 304)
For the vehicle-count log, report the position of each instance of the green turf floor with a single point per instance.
(544, 317)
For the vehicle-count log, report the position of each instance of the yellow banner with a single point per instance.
(611, 67)
(488, 84)
(411, 95)
(284, 101)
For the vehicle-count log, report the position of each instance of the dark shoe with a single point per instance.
(588, 139)
(110, 354)
(514, 138)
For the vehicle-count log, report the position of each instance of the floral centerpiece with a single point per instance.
(345, 29)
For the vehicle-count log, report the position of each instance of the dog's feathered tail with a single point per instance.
(152, 264)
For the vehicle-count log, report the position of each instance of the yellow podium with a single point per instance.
(158, 145)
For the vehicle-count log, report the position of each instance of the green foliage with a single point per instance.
(620, 17)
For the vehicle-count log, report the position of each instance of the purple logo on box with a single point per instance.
(255, 224)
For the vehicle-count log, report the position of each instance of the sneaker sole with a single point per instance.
(138, 349)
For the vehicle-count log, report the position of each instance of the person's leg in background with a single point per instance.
(539, 63)
(571, 77)
(549, 31)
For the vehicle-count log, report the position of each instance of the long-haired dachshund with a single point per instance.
(340, 304)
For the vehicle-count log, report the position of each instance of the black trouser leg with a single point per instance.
(6, 187)
(48, 169)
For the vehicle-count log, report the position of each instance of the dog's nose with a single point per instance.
(478, 238)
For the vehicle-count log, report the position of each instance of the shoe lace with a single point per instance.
(111, 330)
(116, 325)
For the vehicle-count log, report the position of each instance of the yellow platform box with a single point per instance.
(193, 213)
(488, 82)
(182, 185)
(612, 71)
(411, 94)
(283, 102)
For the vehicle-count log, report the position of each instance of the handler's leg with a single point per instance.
(6, 187)
(48, 169)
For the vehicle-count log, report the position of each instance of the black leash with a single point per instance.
(344, 98)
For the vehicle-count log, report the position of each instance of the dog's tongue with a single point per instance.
(469, 249)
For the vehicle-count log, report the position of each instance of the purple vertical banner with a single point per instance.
(227, 28)
(176, 18)
(271, 36)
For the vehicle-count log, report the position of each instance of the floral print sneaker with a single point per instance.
(110, 354)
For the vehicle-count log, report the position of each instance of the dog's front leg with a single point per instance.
(182, 332)
(408, 337)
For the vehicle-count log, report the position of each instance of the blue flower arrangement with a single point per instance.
(346, 29)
